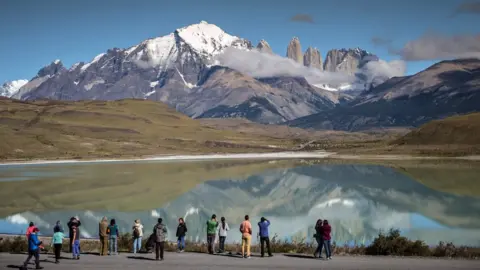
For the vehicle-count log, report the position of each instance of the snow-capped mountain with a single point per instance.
(177, 69)
(8, 89)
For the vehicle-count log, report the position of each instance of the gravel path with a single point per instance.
(185, 261)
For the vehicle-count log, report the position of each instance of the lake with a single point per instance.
(424, 202)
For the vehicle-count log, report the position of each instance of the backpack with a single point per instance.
(136, 232)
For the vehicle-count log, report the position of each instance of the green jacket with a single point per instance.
(57, 238)
(212, 227)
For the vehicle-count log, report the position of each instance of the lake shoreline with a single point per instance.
(320, 154)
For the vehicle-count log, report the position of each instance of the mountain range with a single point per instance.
(181, 69)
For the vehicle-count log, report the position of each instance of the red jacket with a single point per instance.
(326, 232)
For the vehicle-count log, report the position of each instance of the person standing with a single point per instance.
(222, 233)
(33, 249)
(160, 231)
(58, 226)
(112, 231)
(319, 238)
(57, 241)
(74, 221)
(327, 229)
(103, 236)
(181, 232)
(246, 230)
(212, 225)
(137, 236)
(264, 237)
(76, 243)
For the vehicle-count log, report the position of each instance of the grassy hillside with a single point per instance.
(452, 136)
(462, 130)
(123, 128)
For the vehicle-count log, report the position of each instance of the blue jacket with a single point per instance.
(263, 226)
(33, 242)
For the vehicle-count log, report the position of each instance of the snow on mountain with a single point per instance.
(207, 39)
(8, 89)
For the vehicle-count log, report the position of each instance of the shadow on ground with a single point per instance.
(302, 256)
(140, 258)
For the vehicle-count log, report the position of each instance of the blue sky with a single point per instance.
(34, 33)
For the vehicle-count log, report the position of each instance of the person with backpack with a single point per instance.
(76, 243)
(327, 229)
(212, 225)
(160, 231)
(222, 233)
(181, 232)
(57, 241)
(264, 237)
(30, 229)
(137, 236)
(319, 238)
(103, 236)
(33, 249)
(246, 230)
(112, 231)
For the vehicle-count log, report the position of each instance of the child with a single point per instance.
(76, 243)
(33, 249)
(57, 241)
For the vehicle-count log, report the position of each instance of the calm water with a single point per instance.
(358, 200)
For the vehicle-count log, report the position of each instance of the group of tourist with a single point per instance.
(109, 234)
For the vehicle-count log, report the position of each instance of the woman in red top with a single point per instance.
(327, 229)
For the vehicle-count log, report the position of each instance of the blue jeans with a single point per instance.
(320, 246)
(76, 248)
(112, 248)
(328, 248)
(137, 244)
(181, 242)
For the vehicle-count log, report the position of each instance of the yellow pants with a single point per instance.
(246, 243)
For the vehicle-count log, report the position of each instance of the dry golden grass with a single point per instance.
(123, 128)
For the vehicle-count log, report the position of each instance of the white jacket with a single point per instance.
(221, 230)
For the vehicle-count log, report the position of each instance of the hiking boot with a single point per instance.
(270, 255)
(57, 261)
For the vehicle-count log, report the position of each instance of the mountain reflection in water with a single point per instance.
(358, 200)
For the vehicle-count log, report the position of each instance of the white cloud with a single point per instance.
(257, 64)
(379, 71)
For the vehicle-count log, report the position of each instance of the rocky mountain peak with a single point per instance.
(347, 60)
(264, 47)
(313, 58)
(294, 50)
(51, 69)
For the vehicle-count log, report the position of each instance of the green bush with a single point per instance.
(395, 244)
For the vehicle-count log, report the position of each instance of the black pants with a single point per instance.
(222, 243)
(34, 253)
(159, 248)
(264, 240)
(320, 246)
(210, 242)
(58, 248)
